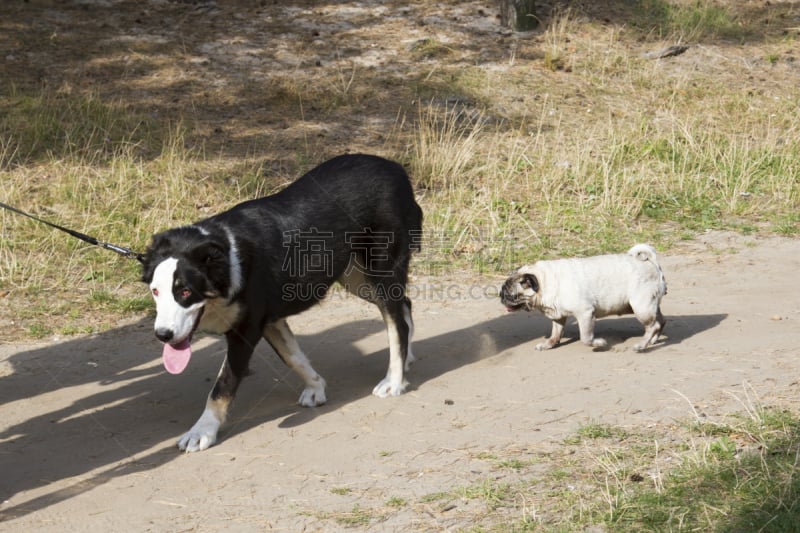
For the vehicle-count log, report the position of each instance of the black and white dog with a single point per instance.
(353, 219)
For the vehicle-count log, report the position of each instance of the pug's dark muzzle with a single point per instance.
(510, 299)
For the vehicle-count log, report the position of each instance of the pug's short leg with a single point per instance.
(653, 327)
(555, 335)
(586, 324)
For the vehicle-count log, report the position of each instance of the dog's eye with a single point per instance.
(155, 292)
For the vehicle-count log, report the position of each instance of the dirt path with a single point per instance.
(89, 424)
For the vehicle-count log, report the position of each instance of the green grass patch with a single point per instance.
(596, 430)
(55, 125)
(435, 497)
(430, 48)
(740, 474)
(491, 493)
(691, 21)
(396, 501)
(744, 483)
(356, 517)
(39, 331)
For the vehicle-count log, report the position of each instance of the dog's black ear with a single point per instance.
(147, 268)
(210, 253)
(529, 281)
(152, 254)
(213, 260)
(211, 256)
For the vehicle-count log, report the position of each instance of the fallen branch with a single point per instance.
(669, 51)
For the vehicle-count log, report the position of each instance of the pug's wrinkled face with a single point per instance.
(520, 291)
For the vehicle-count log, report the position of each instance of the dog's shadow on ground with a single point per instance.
(98, 402)
(110, 409)
(92, 409)
(351, 375)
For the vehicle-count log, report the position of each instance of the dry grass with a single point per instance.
(554, 143)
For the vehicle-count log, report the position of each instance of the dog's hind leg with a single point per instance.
(410, 322)
(397, 316)
(204, 432)
(283, 341)
(396, 311)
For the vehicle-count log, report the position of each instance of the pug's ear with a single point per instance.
(529, 281)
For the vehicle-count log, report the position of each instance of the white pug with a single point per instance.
(591, 288)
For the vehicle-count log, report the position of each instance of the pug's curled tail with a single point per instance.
(645, 252)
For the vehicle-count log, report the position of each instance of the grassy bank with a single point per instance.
(568, 141)
(737, 474)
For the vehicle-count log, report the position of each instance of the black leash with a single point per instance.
(130, 254)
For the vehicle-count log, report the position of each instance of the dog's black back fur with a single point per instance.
(338, 199)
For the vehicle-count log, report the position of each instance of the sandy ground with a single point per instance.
(88, 425)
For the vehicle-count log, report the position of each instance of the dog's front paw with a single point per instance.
(639, 347)
(197, 440)
(387, 388)
(599, 343)
(313, 396)
(202, 435)
(544, 346)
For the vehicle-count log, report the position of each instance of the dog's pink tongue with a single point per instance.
(176, 358)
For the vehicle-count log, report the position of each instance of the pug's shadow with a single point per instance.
(617, 331)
